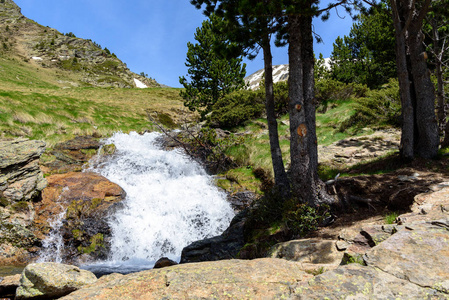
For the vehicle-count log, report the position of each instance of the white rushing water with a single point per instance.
(170, 202)
(53, 244)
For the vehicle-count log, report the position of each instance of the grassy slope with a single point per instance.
(255, 152)
(41, 103)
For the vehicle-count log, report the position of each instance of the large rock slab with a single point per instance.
(358, 282)
(265, 278)
(21, 181)
(51, 280)
(429, 206)
(88, 199)
(419, 254)
(72, 155)
(20, 175)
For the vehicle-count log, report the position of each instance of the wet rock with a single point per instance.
(164, 262)
(241, 200)
(88, 199)
(20, 176)
(79, 142)
(51, 280)
(72, 155)
(358, 282)
(224, 246)
(266, 278)
(8, 286)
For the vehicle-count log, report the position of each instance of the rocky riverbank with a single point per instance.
(405, 260)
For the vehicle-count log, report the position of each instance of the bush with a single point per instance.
(240, 106)
(327, 90)
(236, 108)
(380, 107)
(300, 219)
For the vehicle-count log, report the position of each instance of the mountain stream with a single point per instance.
(170, 202)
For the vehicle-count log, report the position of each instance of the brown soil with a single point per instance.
(393, 191)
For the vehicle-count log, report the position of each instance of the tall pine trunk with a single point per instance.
(306, 185)
(280, 176)
(419, 127)
(426, 145)
(408, 112)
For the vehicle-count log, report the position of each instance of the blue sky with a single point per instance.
(151, 35)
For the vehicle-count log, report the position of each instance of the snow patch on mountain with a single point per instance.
(280, 73)
(139, 84)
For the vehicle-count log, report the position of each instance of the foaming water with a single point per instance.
(53, 244)
(170, 202)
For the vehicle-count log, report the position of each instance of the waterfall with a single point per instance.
(170, 202)
(53, 244)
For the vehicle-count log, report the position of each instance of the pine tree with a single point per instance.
(212, 74)
(419, 124)
(291, 21)
(366, 55)
(251, 24)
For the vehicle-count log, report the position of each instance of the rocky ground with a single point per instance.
(405, 260)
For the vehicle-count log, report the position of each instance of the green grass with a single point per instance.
(390, 218)
(47, 104)
(256, 149)
(239, 179)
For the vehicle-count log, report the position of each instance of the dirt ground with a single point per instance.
(367, 199)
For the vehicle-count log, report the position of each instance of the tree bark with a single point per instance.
(439, 74)
(419, 128)
(306, 185)
(426, 145)
(408, 113)
(280, 176)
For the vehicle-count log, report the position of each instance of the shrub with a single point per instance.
(236, 108)
(300, 219)
(379, 107)
(327, 90)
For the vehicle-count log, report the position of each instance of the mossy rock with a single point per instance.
(352, 258)
(96, 243)
(108, 149)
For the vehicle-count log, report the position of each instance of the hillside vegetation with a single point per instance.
(37, 103)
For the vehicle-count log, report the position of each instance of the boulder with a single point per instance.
(8, 285)
(72, 155)
(265, 278)
(88, 199)
(80, 142)
(241, 200)
(164, 262)
(358, 282)
(20, 176)
(313, 253)
(225, 246)
(51, 280)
